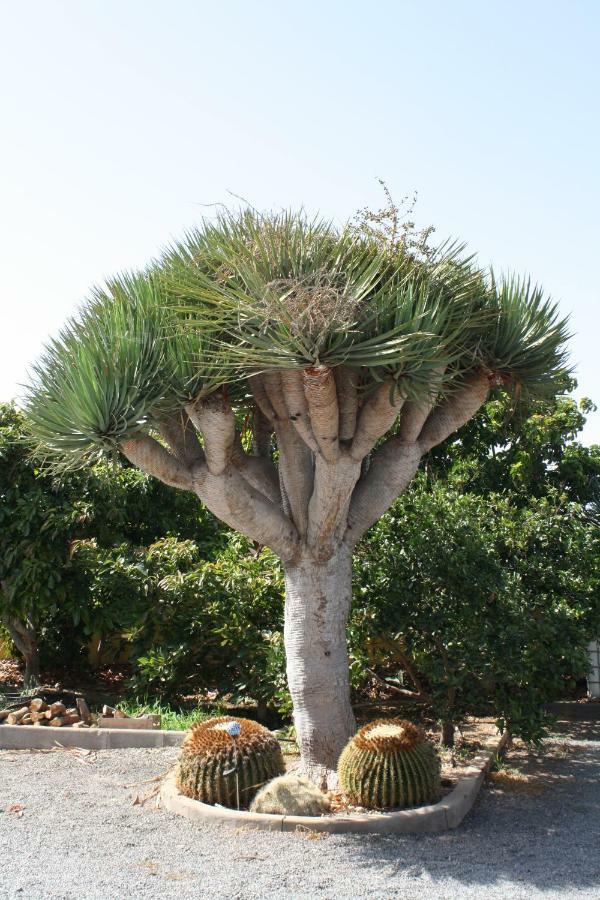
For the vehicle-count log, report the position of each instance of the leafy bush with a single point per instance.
(56, 535)
(477, 606)
(186, 620)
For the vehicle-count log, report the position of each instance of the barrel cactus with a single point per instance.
(226, 760)
(389, 763)
(291, 795)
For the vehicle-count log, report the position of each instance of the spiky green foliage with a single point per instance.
(115, 370)
(290, 795)
(250, 292)
(388, 764)
(297, 293)
(525, 333)
(217, 768)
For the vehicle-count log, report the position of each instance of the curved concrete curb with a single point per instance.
(28, 737)
(447, 813)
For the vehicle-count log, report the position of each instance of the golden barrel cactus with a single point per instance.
(291, 795)
(389, 763)
(226, 760)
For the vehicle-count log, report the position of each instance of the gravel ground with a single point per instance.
(80, 835)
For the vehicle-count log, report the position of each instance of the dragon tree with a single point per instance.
(293, 375)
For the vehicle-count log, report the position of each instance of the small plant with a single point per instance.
(389, 763)
(174, 717)
(219, 764)
(291, 795)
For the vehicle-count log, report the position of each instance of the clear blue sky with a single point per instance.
(119, 119)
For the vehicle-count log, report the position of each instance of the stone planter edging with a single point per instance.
(445, 814)
(30, 737)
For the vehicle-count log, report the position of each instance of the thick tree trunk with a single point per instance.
(24, 637)
(448, 734)
(317, 605)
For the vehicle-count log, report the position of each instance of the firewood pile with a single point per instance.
(68, 709)
(39, 712)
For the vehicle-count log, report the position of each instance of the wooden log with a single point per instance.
(108, 712)
(80, 724)
(119, 714)
(14, 718)
(40, 722)
(26, 720)
(72, 711)
(38, 717)
(58, 709)
(84, 711)
(4, 713)
(62, 721)
(37, 705)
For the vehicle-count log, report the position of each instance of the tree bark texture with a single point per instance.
(447, 733)
(24, 637)
(317, 604)
(336, 475)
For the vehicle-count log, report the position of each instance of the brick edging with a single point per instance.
(445, 814)
(30, 737)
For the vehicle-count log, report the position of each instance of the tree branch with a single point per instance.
(392, 469)
(395, 463)
(151, 457)
(329, 503)
(295, 458)
(262, 429)
(179, 433)
(292, 387)
(230, 496)
(403, 692)
(214, 418)
(233, 500)
(409, 669)
(377, 416)
(346, 382)
(414, 415)
(321, 396)
(259, 392)
(455, 411)
(258, 471)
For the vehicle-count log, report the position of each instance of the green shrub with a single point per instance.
(477, 606)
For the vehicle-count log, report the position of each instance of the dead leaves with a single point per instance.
(153, 868)
(310, 833)
(81, 755)
(15, 809)
(516, 782)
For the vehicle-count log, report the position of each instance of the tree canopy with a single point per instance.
(248, 293)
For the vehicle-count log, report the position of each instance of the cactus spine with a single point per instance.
(290, 795)
(218, 767)
(389, 763)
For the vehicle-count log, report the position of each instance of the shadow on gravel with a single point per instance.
(546, 837)
(587, 729)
